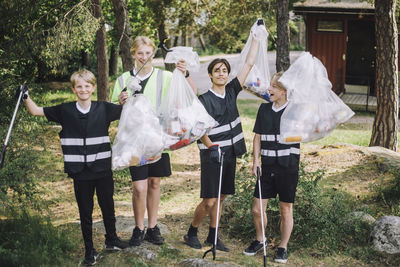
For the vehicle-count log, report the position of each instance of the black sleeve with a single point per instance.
(236, 86)
(257, 126)
(113, 111)
(53, 113)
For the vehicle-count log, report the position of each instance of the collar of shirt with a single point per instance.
(280, 108)
(84, 111)
(141, 78)
(215, 93)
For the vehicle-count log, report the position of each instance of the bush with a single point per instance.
(32, 241)
(320, 216)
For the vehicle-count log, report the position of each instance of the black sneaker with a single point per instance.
(137, 237)
(220, 245)
(192, 241)
(281, 255)
(91, 258)
(153, 235)
(254, 247)
(115, 244)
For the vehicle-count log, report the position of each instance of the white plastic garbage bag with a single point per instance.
(259, 78)
(183, 118)
(314, 110)
(140, 139)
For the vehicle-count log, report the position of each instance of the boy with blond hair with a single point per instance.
(279, 169)
(87, 155)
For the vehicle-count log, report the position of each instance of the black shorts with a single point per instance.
(210, 174)
(282, 183)
(161, 168)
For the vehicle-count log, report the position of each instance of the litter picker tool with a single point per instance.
(262, 214)
(214, 247)
(22, 89)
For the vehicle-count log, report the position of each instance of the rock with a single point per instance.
(204, 263)
(385, 235)
(142, 252)
(125, 224)
(360, 216)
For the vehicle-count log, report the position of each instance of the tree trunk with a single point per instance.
(282, 40)
(113, 61)
(103, 93)
(162, 30)
(85, 59)
(384, 131)
(124, 32)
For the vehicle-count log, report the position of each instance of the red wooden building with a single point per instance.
(342, 35)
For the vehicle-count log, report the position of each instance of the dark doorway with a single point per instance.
(360, 56)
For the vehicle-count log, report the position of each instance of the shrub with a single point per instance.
(32, 241)
(320, 216)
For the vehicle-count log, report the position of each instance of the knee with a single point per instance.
(154, 184)
(256, 211)
(286, 212)
(139, 190)
(209, 203)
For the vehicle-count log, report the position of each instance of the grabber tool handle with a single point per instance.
(3, 152)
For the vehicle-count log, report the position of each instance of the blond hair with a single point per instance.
(84, 74)
(141, 40)
(275, 79)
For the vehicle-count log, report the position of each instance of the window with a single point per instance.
(330, 26)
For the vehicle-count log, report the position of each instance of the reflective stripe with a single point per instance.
(97, 140)
(237, 138)
(121, 82)
(281, 153)
(100, 155)
(72, 141)
(74, 158)
(235, 122)
(268, 137)
(225, 128)
(89, 141)
(159, 88)
(224, 143)
(90, 158)
(219, 129)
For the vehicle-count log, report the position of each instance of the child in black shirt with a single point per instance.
(87, 155)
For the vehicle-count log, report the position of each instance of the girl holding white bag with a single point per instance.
(154, 84)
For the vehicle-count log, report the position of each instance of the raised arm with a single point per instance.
(250, 60)
(33, 108)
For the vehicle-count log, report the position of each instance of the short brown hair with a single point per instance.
(141, 40)
(216, 61)
(84, 74)
(276, 77)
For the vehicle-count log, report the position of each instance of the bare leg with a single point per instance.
(213, 212)
(153, 200)
(257, 216)
(139, 194)
(202, 210)
(286, 222)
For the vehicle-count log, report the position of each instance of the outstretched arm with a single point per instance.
(33, 108)
(250, 60)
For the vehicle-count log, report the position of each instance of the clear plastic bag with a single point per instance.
(140, 139)
(314, 110)
(183, 118)
(259, 78)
